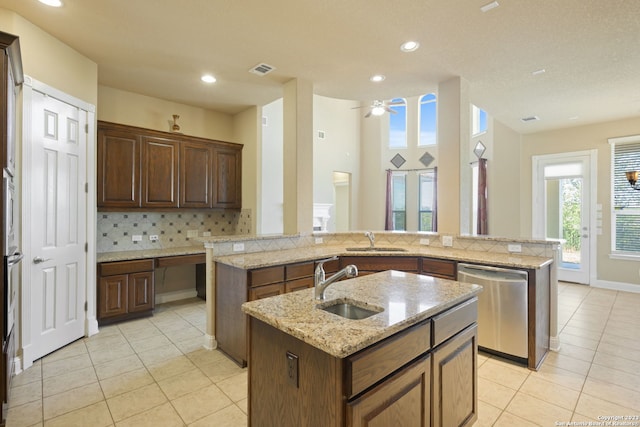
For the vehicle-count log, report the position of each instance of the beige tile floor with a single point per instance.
(153, 372)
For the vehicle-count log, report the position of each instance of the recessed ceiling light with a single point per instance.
(538, 72)
(377, 78)
(489, 6)
(52, 3)
(208, 78)
(409, 46)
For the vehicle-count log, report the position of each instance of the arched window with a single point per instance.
(428, 120)
(479, 120)
(398, 124)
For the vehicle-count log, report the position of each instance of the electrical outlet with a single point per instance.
(319, 240)
(192, 233)
(238, 247)
(154, 237)
(447, 241)
(514, 248)
(292, 369)
(136, 238)
(424, 242)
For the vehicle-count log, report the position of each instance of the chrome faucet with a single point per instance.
(372, 238)
(321, 283)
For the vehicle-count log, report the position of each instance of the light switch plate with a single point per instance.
(136, 238)
(319, 240)
(447, 241)
(292, 369)
(206, 234)
(238, 247)
(424, 242)
(153, 237)
(192, 233)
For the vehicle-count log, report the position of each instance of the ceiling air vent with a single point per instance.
(530, 119)
(262, 69)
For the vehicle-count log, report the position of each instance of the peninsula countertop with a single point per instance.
(150, 253)
(269, 258)
(403, 300)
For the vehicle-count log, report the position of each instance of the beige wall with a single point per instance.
(119, 106)
(52, 62)
(247, 131)
(582, 138)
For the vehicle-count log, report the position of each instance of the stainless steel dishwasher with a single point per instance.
(502, 307)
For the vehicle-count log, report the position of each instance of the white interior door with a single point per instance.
(562, 211)
(57, 223)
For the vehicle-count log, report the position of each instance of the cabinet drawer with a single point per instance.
(439, 268)
(376, 362)
(124, 267)
(330, 266)
(455, 319)
(169, 261)
(266, 291)
(296, 285)
(265, 276)
(296, 271)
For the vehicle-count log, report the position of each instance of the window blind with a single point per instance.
(626, 200)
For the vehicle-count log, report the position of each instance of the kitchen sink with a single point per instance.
(350, 311)
(376, 249)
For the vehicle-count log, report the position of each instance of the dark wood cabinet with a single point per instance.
(373, 264)
(196, 162)
(442, 268)
(118, 168)
(227, 188)
(455, 382)
(146, 169)
(159, 172)
(125, 290)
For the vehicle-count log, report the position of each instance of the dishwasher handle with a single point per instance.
(479, 269)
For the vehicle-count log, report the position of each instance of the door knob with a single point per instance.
(40, 260)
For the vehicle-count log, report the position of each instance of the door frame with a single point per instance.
(538, 221)
(90, 320)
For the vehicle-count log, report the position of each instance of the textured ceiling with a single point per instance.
(590, 51)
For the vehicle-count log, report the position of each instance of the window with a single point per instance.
(399, 200)
(426, 184)
(626, 200)
(478, 120)
(398, 124)
(428, 123)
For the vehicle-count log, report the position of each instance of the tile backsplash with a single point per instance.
(115, 230)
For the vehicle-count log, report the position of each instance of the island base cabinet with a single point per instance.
(402, 400)
(455, 382)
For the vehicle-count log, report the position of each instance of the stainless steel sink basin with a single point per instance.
(349, 311)
(376, 249)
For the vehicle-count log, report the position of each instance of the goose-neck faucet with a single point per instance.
(321, 283)
(372, 238)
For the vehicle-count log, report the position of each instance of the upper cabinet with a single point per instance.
(145, 169)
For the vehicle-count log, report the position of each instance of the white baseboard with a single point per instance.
(554, 343)
(176, 296)
(91, 326)
(210, 342)
(616, 286)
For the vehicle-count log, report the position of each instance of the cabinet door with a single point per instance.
(298, 284)
(227, 181)
(118, 168)
(141, 296)
(455, 382)
(159, 173)
(266, 291)
(196, 160)
(402, 400)
(112, 296)
(439, 268)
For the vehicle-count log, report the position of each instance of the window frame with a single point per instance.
(431, 173)
(421, 102)
(391, 115)
(616, 253)
(395, 174)
(476, 121)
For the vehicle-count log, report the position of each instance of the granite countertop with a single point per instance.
(269, 258)
(405, 299)
(149, 253)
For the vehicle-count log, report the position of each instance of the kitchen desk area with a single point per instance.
(411, 362)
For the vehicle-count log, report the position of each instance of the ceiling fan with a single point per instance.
(378, 108)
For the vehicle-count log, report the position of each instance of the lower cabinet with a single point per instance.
(425, 375)
(125, 290)
(402, 400)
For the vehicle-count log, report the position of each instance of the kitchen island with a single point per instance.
(412, 362)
